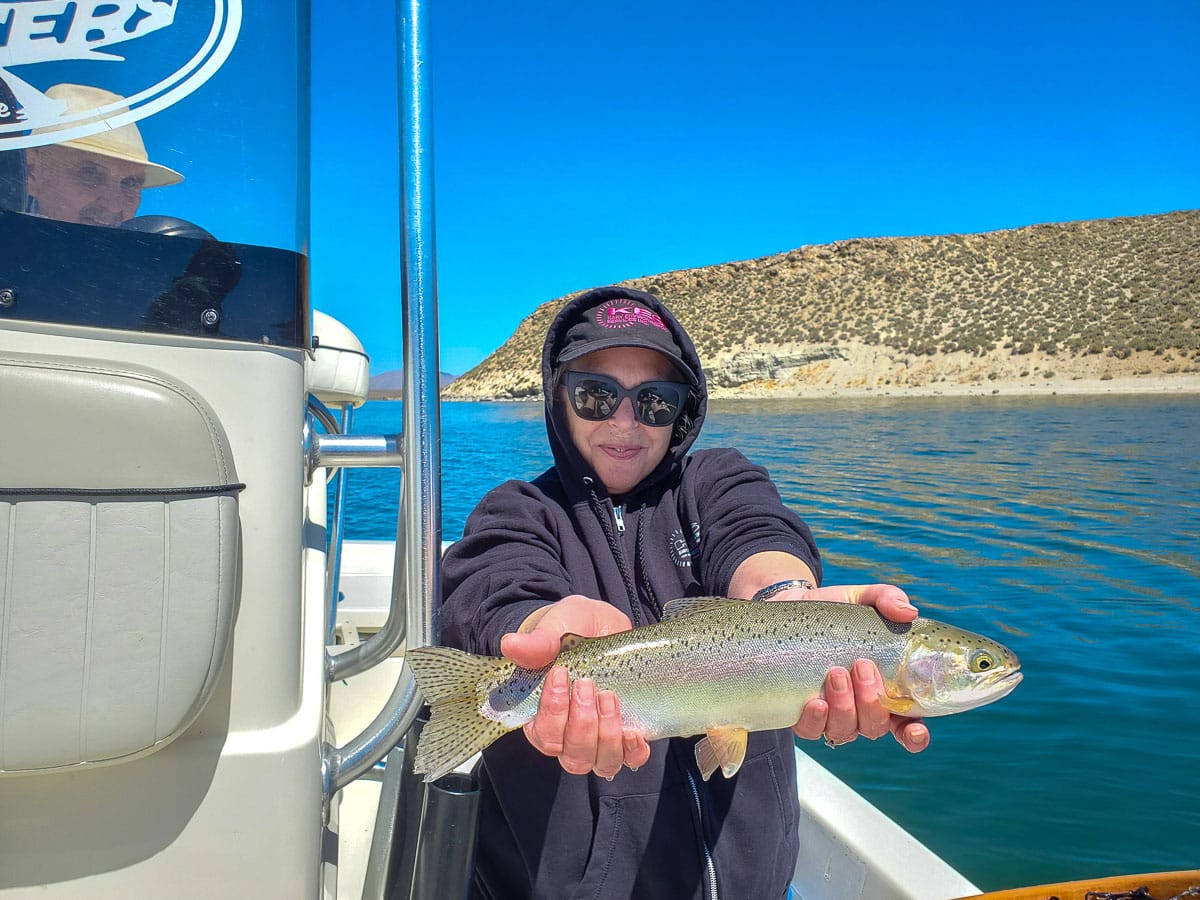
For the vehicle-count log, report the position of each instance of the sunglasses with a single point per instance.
(596, 398)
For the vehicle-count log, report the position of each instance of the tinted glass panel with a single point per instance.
(192, 113)
(122, 278)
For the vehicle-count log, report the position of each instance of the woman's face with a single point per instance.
(621, 449)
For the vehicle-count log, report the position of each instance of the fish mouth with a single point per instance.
(980, 693)
(1005, 683)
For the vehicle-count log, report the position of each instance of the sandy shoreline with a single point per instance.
(1024, 387)
(853, 369)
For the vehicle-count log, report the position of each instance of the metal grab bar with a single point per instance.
(354, 450)
(416, 574)
(337, 448)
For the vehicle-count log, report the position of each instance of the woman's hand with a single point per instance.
(575, 723)
(850, 705)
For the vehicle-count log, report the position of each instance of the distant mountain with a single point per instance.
(390, 384)
(1098, 299)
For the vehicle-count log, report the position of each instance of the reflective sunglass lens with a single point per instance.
(658, 405)
(596, 398)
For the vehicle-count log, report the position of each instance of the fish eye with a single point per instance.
(982, 661)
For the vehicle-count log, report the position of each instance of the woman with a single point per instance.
(625, 521)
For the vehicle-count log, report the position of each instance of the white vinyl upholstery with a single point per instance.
(119, 543)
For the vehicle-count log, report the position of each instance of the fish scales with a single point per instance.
(750, 666)
(715, 666)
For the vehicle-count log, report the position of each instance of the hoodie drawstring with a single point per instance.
(639, 547)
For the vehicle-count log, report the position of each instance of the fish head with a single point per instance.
(947, 670)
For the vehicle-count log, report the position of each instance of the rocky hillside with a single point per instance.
(1098, 299)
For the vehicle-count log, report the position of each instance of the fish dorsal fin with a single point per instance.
(690, 606)
(570, 641)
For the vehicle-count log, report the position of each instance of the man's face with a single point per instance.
(77, 186)
(621, 449)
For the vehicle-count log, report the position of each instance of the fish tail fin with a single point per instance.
(455, 685)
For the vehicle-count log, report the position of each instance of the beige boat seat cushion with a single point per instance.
(118, 560)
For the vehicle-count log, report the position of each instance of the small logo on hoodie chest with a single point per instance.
(681, 548)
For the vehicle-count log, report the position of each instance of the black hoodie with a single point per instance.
(659, 832)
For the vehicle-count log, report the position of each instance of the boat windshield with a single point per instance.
(154, 167)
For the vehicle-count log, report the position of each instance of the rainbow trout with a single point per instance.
(716, 667)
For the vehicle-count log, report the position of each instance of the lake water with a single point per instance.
(1066, 527)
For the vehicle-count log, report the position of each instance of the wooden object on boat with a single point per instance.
(1158, 885)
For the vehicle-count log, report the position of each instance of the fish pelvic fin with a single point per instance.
(723, 747)
(456, 685)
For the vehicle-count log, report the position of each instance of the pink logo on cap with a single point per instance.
(616, 314)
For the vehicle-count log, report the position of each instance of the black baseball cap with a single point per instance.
(621, 322)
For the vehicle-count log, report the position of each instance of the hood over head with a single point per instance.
(618, 317)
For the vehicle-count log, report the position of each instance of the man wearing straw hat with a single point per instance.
(92, 180)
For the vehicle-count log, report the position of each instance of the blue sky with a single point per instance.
(581, 144)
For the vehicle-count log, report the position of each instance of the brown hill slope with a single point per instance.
(1096, 299)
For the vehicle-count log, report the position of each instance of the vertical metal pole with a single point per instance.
(443, 848)
(416, 576)
(417, 571)
(333, 561)
(438, 839)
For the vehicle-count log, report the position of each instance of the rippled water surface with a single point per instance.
(1066, 527)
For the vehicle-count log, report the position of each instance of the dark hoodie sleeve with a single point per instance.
(741, 514)
(507, 564)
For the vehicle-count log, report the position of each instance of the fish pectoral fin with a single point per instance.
(569, 641)
(898, 705)
(723, 747)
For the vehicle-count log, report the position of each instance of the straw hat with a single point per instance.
(124, 143)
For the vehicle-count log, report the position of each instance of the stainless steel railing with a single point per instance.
(416, 576)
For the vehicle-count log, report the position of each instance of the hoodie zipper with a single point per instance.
(709, 869)
(619, 518)
(615, 546)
